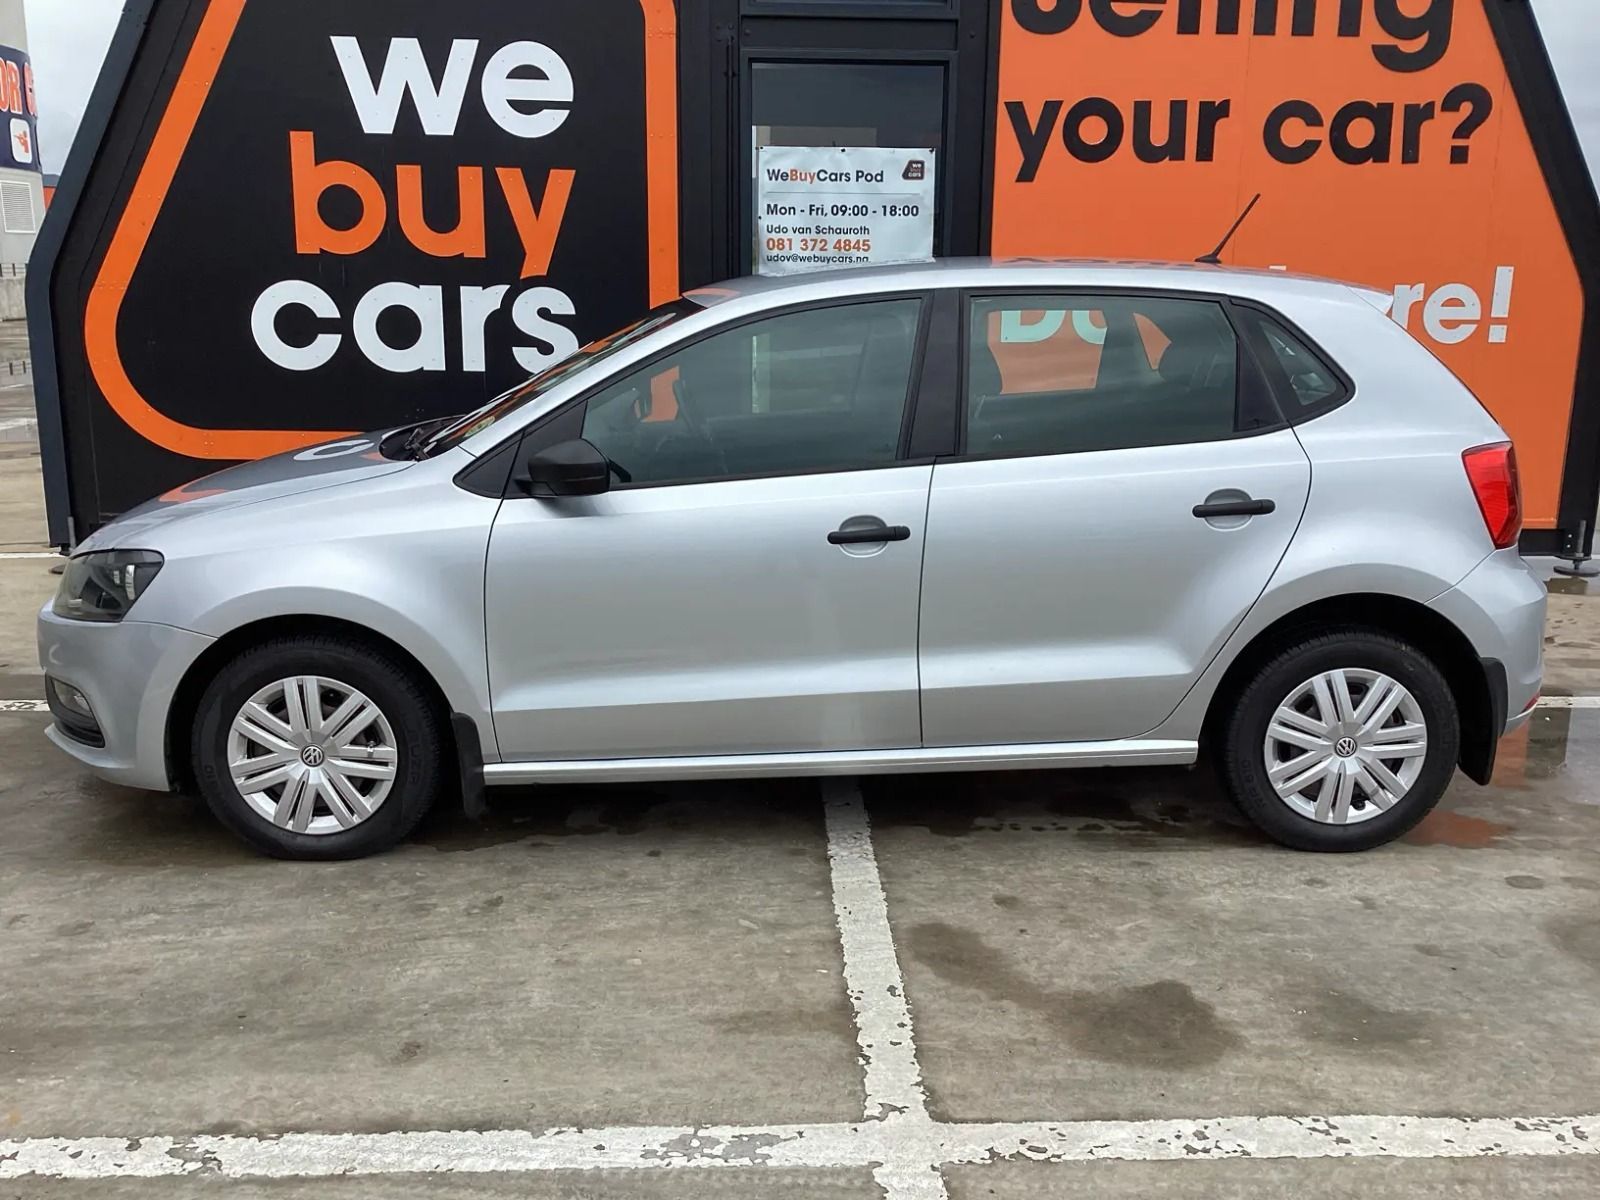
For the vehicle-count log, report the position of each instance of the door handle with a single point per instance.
(1235, 508)
(870, 536)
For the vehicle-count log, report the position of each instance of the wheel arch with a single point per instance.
(186, 700)
(1479, 694)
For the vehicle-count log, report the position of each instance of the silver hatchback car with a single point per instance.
(970, 516)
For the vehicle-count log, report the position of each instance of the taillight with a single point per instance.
(1492, 471)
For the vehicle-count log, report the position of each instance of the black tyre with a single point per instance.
(1343, 742)
(318, 748)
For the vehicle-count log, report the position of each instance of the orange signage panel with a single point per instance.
(1385, 139)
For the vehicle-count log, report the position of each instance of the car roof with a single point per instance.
(978, 273)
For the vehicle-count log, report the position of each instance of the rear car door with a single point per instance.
(750, 585)
(1125, 490)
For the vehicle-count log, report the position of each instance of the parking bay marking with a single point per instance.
(905, 1148)
(905, 1152)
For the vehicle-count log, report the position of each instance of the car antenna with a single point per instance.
(1214, 259)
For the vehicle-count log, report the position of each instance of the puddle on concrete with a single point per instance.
(1558, 744)
(1159, 1024)
(1442, 827)
(538, 816)
(1348, 1022)
(1175, 806)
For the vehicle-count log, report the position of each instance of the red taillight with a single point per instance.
(1492, 471)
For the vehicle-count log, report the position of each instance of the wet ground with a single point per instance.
(1074, 947)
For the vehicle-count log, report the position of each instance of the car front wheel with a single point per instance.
(318, 748)
(1344, 742)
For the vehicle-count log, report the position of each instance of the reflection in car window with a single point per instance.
(818, 390)
(499, 409)
(1107, 373)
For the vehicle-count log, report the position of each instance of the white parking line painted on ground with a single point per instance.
(29, 554)
(871, 965)
(1569, 702)
(904, 1152)
(23, 706)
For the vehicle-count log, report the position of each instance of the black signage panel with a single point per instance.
(348, 215)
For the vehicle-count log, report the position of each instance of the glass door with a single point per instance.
(846, 162)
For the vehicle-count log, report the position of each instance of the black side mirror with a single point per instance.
(572, 468)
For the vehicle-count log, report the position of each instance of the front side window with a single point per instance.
(524, 394)
(821, 389)
(1063, 375)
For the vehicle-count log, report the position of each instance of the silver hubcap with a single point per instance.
(1346, 746)
(312, 755)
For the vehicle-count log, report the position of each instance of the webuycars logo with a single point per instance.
(526, 90)
(361, 214)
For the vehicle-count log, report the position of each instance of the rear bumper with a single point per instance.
(129, 673)
(1500, 607)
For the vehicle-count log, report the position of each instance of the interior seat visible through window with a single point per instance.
(1107, 373)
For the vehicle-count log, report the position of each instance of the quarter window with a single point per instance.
(817, 390)
(1307, 384)
(1058, 375)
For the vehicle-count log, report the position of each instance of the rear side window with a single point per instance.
(1062, 375)
(1303, 380)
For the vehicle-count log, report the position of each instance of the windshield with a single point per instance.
(499, 409)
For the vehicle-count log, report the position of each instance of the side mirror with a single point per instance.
(572, 468)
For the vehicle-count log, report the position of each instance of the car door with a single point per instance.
(750, 584)
(1125, 491)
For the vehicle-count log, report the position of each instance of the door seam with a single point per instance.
(922, 575)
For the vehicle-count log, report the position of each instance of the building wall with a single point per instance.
(15, 247)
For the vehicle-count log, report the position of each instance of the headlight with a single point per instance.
(103, 587)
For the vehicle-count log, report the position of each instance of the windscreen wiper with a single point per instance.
(415, 447)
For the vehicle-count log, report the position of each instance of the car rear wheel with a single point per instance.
(1343, 742)
(318, 748)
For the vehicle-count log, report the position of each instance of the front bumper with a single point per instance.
(129, 672)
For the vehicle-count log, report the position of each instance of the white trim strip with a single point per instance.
(871, 966)
(850, 762)
(23, 706)
(904, 1152)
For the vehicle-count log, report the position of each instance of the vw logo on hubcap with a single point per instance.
(1345, 747)
(313, 756)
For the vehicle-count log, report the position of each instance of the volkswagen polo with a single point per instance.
(966, 516)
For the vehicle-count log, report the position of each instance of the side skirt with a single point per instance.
(1045, 756)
